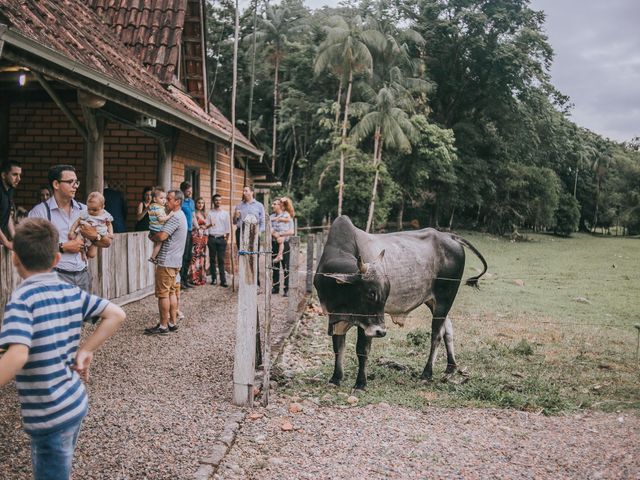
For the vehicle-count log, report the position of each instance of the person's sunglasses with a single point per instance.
(71, 182)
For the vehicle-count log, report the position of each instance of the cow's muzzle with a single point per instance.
(375, 331)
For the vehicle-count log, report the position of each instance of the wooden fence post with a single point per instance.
(294, 278)
(266, 356)
(311, 240)
(245, 349)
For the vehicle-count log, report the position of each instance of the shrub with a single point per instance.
(567, 215)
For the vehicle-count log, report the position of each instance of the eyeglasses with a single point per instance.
(75, 183)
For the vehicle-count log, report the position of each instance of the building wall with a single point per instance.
(40, 135)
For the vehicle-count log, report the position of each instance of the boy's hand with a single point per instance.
(83, 360)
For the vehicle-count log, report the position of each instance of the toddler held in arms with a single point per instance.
(95, 216)
(157, 218)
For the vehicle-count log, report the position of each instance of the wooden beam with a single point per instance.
(4, 128)
(166, 150)
(94, 160)
(3, 28)
(61, 105)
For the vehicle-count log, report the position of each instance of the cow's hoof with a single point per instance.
(451, 369)
(426, 380)
(333, 383)
(359, 389)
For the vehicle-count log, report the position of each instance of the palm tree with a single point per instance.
(386, 117)
(347, 53)
(275, 28)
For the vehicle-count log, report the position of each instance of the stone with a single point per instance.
(352, 400)
(295, 408)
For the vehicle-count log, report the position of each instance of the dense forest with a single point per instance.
(419, 113)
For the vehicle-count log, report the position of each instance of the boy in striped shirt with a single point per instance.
(41, 335)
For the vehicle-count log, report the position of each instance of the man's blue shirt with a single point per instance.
(188, 207)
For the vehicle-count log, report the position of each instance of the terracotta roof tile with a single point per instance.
(140, 24)
(75, 31)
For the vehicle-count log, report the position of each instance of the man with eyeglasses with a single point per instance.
(62, 210)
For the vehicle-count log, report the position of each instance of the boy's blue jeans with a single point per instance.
(52, 453)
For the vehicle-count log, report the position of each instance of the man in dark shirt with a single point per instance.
(11, 173)
(115, 204)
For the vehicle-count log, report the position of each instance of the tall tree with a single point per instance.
(346, 52)
(386, 117)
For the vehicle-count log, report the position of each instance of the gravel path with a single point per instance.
(390, 442)
(157, 404)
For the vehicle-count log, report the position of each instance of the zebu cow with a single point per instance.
(361, 276)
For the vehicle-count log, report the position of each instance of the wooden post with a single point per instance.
(166, 149)
(311, 240)
(245, 349)
(294, 246)
(94, 161)
(266, 357)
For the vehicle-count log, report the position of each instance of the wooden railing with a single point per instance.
(121, 273)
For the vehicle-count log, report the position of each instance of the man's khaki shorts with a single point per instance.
(166, 281)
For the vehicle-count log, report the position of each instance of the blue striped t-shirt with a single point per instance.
(46, 315)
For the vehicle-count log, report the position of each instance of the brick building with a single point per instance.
(118, 89)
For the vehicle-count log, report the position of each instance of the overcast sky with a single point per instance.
(597, 60)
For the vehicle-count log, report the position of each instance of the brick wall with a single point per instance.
(40, 135)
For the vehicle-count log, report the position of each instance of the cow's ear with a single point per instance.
(380, 256)
(340, 278)
(362, 267)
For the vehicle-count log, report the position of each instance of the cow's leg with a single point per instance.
(363, 347)
(437, 329)
(448, 343)
(338, 350)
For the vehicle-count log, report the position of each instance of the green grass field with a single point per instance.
(564, 340)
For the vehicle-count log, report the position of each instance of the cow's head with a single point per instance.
(358, 297)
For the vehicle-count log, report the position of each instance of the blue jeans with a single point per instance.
(52, 453)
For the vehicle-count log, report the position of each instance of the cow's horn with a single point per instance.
(380, 256)
(362, 267)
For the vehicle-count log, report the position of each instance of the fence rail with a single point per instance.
(120, 273)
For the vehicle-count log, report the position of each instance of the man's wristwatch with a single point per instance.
(61, 247)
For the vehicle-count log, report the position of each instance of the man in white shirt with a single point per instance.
(218, 232)
(62, 210)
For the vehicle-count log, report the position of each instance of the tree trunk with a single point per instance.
(253, 68)
(339, 109)
(453, 211)
(377, 150)
(343, 143)
(400, 216)
(293, 160)
(275, 114)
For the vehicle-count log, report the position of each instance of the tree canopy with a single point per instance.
(424, 112)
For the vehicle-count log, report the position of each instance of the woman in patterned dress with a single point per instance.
(197, 270)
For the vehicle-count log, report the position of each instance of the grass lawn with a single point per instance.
(564, 340)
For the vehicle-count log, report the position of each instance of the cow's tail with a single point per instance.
(472, 281)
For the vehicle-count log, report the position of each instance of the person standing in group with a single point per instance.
(218, 233)
(169, 262)
(11, 173)
(63, 210)
(142, 211)
(44, 194)
(188, 208)
(197, 270)
(249, 205)
(116, 205)
(40, 335)
(281, 230)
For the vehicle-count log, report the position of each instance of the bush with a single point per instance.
(567, 216)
